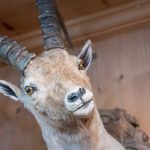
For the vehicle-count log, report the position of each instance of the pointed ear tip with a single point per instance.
(2, 81)
(89, 42)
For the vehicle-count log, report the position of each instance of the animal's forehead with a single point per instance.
(50, 63)
(55, 68)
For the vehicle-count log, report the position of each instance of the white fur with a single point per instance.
(47, 104)
(73, 106)
(85, 111)
(77, 141)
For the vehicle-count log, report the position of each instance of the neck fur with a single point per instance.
(86, 135)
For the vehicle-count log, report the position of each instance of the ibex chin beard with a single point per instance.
(79, 101)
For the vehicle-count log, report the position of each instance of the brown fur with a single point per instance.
(53, 74)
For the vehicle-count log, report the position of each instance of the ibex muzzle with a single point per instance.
(79, 101)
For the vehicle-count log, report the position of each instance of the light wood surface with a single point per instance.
(18, 17)
(100, 24)
(121, 74)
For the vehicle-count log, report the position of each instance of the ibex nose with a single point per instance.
(76, 95)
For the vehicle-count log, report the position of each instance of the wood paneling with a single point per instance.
(18, 17)
(78, 8)
(119, 16)
(121, 74)
(97, 25)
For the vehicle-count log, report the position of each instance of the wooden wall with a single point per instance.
(120, 74)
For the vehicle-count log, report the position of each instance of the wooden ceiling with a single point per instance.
(20, 16)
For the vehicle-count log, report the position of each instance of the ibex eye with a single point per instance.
(81, 65)
(29, 90)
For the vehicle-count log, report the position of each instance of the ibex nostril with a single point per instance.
(82, 91)
(73, 97)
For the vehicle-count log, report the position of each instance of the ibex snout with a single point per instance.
(76, 95)
(79, 101)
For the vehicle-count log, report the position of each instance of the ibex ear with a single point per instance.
(86, 54)
(9, 90)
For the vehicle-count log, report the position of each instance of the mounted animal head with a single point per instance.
(54, 85)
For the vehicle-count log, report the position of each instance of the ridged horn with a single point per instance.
(15, 55)
(50, 25)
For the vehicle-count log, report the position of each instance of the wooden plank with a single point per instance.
(121, 74)
(18, 17)
(78, 8)
(99, 24)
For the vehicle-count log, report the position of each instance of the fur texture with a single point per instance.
(51, 77)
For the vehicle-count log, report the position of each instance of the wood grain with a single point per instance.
(18, 17)
(121, 74)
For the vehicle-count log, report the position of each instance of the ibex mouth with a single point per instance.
(84, 105)
(85, 109)
(79, 101)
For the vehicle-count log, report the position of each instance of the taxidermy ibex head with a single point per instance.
(55, 87)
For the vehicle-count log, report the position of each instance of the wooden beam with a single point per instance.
(98, 24)
(2, 64)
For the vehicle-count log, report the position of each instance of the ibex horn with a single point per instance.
(15, 55)
(50, 25)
